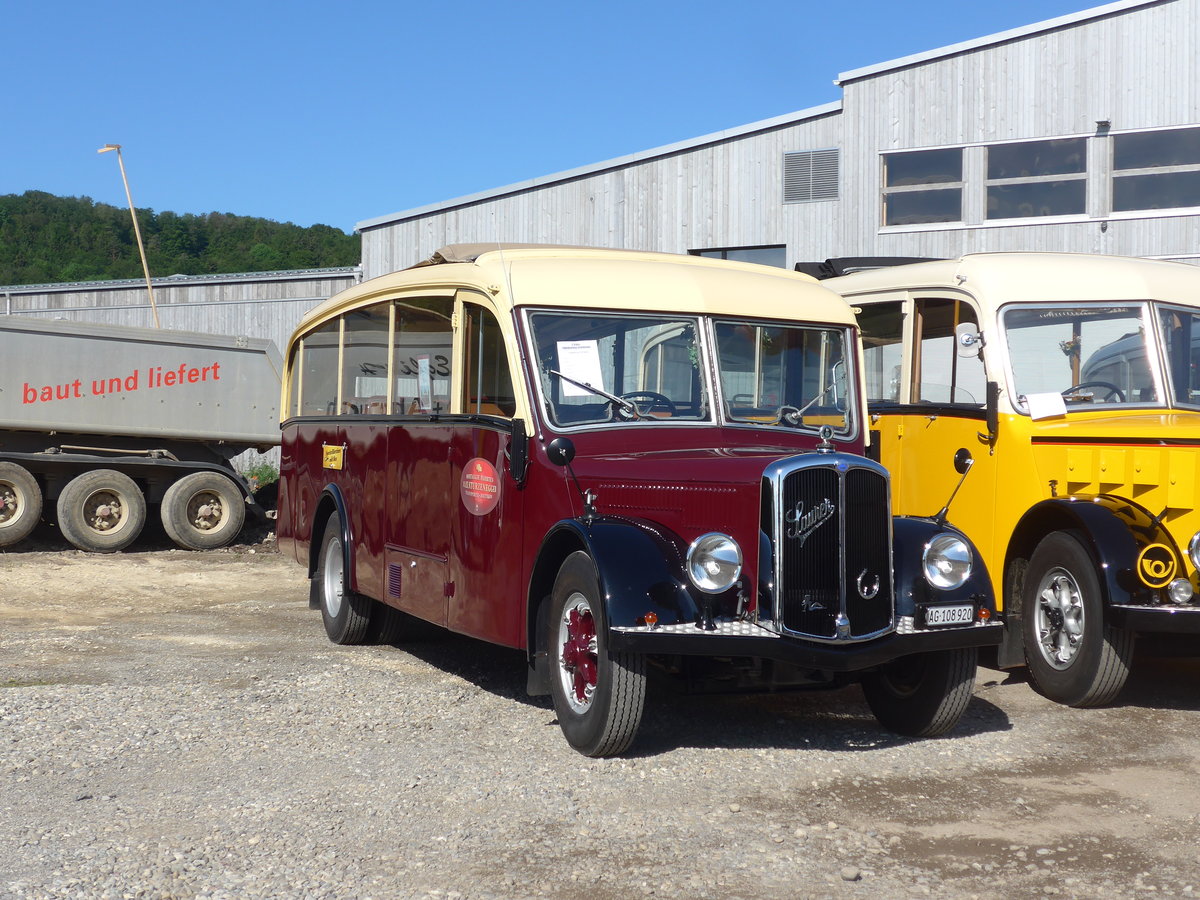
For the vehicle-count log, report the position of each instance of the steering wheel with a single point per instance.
(655, 399)
(1113, 390)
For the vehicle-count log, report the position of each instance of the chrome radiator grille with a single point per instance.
(832, 538)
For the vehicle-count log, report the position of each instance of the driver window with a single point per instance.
(487, 382)
(940, 375)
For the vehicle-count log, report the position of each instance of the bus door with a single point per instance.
(927, 403)
(416, 489)
(486, 591)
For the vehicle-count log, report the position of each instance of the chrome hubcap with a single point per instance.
(577, 653)
(331, 586)
(1059, 618)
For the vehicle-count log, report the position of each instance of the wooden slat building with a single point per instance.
(1080, 133)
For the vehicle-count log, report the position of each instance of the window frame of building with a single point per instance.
(1050, 181)
(927, 187)
(1155, 174)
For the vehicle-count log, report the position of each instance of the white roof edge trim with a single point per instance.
(997, 38)
(716, 137)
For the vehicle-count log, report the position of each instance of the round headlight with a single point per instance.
(714, 562)
(1194, 549)
(947, 561)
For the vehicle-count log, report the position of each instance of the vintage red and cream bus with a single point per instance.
(611, 460)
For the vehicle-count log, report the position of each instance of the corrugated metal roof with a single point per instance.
(177, 280)
(998, 38)
(783, 121)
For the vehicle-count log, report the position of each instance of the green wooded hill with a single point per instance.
(46, 239)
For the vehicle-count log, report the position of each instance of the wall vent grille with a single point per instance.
(810, 175)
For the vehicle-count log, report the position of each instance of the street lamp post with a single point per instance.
(136, 230)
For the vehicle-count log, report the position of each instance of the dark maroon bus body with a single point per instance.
(415, 544)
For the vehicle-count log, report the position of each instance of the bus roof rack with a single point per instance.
(844, 265)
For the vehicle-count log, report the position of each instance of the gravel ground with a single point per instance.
(175, 724)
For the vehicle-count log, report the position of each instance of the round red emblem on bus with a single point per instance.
(479, 487)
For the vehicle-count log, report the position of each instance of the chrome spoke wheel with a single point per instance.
(1059, 617)
(577, 653)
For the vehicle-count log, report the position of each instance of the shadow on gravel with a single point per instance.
(800, 720)
(1162, 682)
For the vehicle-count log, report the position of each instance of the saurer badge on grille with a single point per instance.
(801, 524)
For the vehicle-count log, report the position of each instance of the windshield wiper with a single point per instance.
(627, 405)
(789, 415)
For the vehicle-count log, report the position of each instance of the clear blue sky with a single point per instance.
(334, 113)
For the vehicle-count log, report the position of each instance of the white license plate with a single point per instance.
(949, 615)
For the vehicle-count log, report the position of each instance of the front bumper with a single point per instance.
(749, 640)
(1161, 619)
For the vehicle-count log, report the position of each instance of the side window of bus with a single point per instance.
(882, 327)
(365, 360)
(423, 354)
(487, 382)
(319, 370)
(942, 376)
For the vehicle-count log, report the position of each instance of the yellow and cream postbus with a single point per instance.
(1062, 392)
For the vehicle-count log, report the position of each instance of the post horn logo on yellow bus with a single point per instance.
(1156, 565)
(333, 457)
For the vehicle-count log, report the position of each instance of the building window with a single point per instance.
(1156, 169)
(810, 175)
(770, 255)
(1037, 178)
(922, 186)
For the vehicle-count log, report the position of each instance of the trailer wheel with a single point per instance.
(102, 511)
(925, 694)
(20, 503)
(203, 511)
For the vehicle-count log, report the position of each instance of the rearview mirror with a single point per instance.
(968, 339)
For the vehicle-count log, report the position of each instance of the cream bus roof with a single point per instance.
(997, 278)
(577, 277)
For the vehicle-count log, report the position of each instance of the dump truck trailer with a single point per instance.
(101, 423)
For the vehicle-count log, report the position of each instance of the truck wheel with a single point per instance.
(1074, 656)
(102, 511)
(598, 695)
(20, 503)
(346, 614)
(925, 694)
(203, 511)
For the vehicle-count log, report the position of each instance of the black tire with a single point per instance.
(598, 695)
(20, 503)
(203, 511)
(102, 511)
(346, 614)
(1074, 656)
(925, 694)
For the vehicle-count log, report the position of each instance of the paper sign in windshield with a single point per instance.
(580, 361)
(1046, 406)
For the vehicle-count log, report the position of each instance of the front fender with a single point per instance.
(641, 570)
(910, 536)
(1114, 531)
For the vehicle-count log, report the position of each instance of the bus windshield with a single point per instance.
(1092, 355)
(599, 368)
(788, 375)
